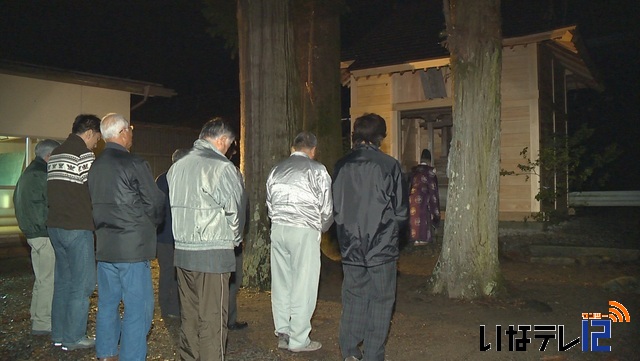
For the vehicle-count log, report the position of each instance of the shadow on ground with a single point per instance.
(424, 326)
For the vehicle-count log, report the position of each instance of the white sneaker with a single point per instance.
(84, 342)
(283, 341)
(312, 346)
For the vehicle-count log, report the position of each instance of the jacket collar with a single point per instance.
(39, 160)
(115, 146)
(203, 144)
(302, 154)
(366, 146)
(76, 140)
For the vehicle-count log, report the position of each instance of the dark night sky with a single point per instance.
(164, 41)
(156, 41)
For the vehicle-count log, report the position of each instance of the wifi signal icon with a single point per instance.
(618, 313)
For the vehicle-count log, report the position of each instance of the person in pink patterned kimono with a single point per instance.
(424, 201)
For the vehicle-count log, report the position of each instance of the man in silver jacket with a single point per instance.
(208, 203)
(301, 208)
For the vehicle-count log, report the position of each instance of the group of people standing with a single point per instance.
(367, 200)
(67, 199)
(66, 194)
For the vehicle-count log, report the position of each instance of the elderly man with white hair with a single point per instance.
(127, 207)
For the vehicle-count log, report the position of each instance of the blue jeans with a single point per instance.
(74, 282)
(131, 283)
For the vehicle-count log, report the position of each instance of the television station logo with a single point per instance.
(595, 326)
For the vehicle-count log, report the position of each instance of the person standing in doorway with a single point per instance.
(31, 206)
(71, 227)
(424, 201)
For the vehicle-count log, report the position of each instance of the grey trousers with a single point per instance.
(295, 274)
(43, 260)
(368, 296)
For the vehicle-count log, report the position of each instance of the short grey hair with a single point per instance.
(305, 140)
(112, 124)
(45, 147)
(217, 127)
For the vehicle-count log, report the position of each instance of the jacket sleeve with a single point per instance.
(236, 203)
(326, 200)
(151, 196)
(335, 187)
(269, 184)
(31, 201)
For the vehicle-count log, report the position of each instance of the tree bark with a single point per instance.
(269, 117)
(289, 53)
(468, 266)
(317, 47)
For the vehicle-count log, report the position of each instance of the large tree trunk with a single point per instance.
(317, 46)
(269, 115)
(289, 82)
(468, 266)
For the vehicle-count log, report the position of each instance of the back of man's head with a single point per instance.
(305, 141)
(112, 124)
(216, 128)
(369, 128)
(45, 147)
(84, 123)
(178, 154)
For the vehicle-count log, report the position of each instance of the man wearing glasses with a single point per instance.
(127, 207)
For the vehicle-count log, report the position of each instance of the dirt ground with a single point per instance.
(424, 326)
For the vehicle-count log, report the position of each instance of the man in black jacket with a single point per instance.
(127, 207)
(167, 280)
(369, 210)
(30, 202)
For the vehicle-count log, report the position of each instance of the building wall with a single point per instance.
(553, 122)
(46, 109)
(519, 130)
(387, 95)
(34, 109)
(372, 94)
(156, 143)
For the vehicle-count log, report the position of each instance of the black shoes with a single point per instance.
(238, 326)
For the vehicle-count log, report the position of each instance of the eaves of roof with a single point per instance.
(73, 77)
(409, 40)
(414, 32)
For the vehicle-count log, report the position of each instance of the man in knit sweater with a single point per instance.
(71, 229)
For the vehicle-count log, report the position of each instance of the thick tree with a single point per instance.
(317, 48)
(289, 81)
(468, 266)
(269, 116)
